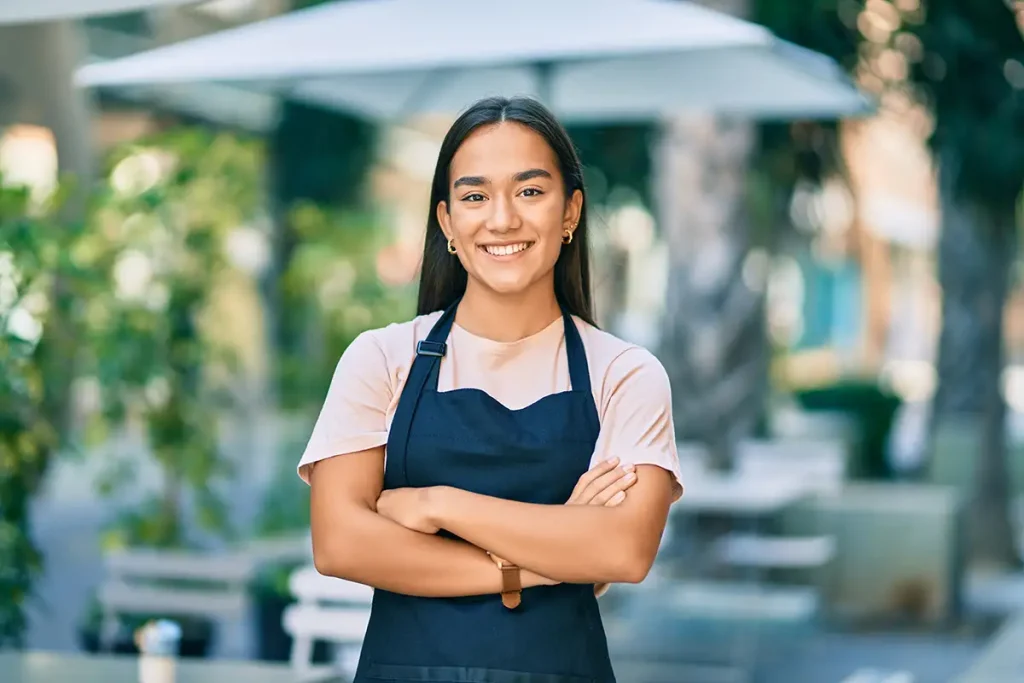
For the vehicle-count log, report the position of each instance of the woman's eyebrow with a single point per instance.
(472, 180)
(522, 176)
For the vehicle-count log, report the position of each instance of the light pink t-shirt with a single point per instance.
(631, 389)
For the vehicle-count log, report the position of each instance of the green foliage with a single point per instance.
(48, 269)
(333, 275)
(968, 66)
(170, 206)
(318, 158)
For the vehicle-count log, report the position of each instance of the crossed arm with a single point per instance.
(388, 540)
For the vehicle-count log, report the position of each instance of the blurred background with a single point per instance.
(828, 268)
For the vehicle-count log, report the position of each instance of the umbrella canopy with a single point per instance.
(26, 11)
(587, 59)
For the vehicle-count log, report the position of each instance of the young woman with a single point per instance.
(471, 464)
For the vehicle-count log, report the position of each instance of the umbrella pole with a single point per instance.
(544, 73)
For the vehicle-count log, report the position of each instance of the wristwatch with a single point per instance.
(511, 584)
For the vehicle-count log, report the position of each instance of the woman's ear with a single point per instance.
(444, 219)
(573, 211)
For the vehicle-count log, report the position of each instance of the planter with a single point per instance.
(873, 410)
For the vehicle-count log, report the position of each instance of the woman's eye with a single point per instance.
(531, 192)
(475, 197)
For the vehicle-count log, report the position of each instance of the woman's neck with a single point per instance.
(507, 318)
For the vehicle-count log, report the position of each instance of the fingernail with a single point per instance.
(619, 496)
(631, 476)
(614, 461)
(628, 468)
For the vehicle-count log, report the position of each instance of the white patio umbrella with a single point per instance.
(588, 59)
(27, 11)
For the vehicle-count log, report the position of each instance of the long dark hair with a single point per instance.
(442, 277)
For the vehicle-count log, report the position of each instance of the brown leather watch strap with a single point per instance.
(511, 586)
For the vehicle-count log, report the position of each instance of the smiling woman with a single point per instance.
(489, 465)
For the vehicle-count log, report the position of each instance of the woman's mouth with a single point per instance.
(505, 251)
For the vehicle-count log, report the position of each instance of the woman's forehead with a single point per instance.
(502, 150)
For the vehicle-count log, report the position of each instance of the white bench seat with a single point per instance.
(128, 598)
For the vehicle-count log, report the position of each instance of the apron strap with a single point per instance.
(579, 370)
(429, 353)
(432, 349)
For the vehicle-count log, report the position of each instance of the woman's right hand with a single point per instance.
(604, 484)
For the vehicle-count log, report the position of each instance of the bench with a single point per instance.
(179, 583)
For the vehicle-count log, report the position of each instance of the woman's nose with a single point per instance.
(503, 216)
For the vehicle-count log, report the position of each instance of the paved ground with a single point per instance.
(664, 650)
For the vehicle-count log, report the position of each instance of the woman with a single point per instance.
(478, 487)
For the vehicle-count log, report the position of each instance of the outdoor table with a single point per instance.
(739, 495)
(58, 667)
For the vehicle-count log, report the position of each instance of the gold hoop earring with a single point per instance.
(567, 236)
(451, 246)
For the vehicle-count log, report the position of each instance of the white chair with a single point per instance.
(327, 609)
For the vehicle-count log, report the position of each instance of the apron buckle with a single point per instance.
(431, 348)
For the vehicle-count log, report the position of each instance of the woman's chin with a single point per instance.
(508, 286)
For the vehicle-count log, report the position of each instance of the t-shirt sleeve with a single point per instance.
(353, 416)
(636, 415)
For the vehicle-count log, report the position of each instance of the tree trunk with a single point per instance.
(37, 63)
(977, 249)
(713, 342)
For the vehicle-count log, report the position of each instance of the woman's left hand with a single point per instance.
(409, 507)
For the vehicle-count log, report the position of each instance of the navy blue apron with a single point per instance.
(467, 439)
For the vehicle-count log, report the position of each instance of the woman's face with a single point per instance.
(508, 211)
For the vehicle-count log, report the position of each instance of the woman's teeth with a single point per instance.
(506, 249)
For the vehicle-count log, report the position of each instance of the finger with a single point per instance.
(603, 482)
(594, 472)
(598, 484)
(616, 499)
(618, 486)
